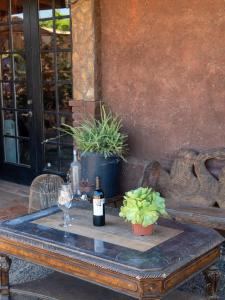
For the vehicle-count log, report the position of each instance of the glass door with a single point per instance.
(16, 101)
(56, 82)
(35, 87)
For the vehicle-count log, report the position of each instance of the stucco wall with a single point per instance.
(163, 72)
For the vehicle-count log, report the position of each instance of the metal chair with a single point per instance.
(44, 192)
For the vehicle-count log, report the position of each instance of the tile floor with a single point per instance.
(13, 199)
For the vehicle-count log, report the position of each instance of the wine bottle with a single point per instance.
(98, 205)
(75, 174)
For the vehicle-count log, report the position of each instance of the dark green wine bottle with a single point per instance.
(98, 205)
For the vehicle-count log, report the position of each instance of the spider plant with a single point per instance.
(102, 136)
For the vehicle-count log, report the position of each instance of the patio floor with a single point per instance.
(13, 199)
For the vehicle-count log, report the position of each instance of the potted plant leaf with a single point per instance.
(102, 146)
(142, 207)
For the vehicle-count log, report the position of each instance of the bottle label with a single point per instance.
(98, 206)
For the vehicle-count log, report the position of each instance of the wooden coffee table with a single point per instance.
(144, 268)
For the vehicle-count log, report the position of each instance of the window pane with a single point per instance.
(17, 10)
(24, 152)
(50, 125)
(65, 95)
(45, 9)
(10, 149)
(47, 65)
(18, 37)
(51, 157)
(66, 119)
(21, 95)
(64, 65)
(6, 67)
(66, 157)
(9, 123)
(61, 8)
(23, 124)
(46, 34)
(20, 66)
(66, 152)
(65, 138)
(7, 95)
(4, 40)
(4, 10)
(63, 34)
(49, 97)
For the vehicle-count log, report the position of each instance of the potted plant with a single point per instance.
(102, 146)
(142, 207)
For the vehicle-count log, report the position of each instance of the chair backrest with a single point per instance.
(44, 191)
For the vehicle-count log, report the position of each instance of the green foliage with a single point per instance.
(102, 136)
(60, 24)
(142, 206)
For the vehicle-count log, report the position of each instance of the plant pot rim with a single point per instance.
(88, 153)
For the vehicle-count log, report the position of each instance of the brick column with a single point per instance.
(86, 37)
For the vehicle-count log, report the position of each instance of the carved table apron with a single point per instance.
(142, 274)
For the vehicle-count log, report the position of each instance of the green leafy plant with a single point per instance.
(142, 206)
(102, 136)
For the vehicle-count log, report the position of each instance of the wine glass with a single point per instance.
(65, 197)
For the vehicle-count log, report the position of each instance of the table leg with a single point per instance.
(212, 277)
(5, 263)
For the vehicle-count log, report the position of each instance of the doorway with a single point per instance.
(35, 87)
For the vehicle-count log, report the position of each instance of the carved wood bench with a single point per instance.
(194, 193)
(212, 217)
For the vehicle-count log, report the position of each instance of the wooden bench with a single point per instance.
(212, 217)
(193, 187)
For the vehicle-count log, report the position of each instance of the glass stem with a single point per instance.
(66, 218)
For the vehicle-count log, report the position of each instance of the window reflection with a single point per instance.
(61, 8)
(14, 94)
(62, 25)
(64, 65)
(4, 40)
(51, 156)
(19, 66)
(66, 119)
(65, 95)
(49, 96)
(45, 9)
(6, 67)
(4, 10)
(7, 95)
(21, 95)
(24, 152)
(18, 37)
(66, 157)
(23, 124)
(17, 10)
(50, 124)
(9, 123)
(63, 34)
(56, 56)
(10, 146)
(47, 65)
(46, 35)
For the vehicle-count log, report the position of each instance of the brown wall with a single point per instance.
(163, 72)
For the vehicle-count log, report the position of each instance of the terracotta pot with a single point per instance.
(140, 230)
